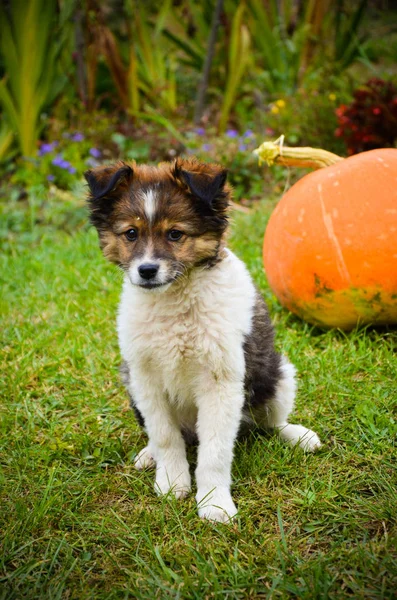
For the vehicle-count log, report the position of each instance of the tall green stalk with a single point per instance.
(29, 48)
(6, 139)
(239, 55)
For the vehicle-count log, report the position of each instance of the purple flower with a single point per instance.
(242, 147)
(200, 130)
(71, 169)
(77, 137)
(249, 133)
(95, 152)
(47, 148)
(50, 177)
(206, 147)
(58, 160)
(232, 133)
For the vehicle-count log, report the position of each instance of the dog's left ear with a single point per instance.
(207, 182)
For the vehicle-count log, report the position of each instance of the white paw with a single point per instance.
(144, 460)
(310, 442)
(175, 479)
(307, 439)
(216, 505)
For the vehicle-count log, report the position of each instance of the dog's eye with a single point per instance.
(131, 235)
(174, 235)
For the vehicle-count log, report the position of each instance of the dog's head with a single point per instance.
(158, 223)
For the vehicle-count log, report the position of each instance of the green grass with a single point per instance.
(77, 521)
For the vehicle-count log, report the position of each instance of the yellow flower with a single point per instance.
(275, 110)
(332, 97)
(280, 103)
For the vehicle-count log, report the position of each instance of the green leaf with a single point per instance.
(29, 46)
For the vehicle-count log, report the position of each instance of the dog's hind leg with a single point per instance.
(279, 408)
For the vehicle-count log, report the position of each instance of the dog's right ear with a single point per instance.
(105, 187)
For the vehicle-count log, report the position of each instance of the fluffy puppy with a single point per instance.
(194, 333)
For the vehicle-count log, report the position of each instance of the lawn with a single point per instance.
(77, 521)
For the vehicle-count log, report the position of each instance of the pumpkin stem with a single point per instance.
(276, 152)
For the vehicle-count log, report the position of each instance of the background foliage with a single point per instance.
(124, 74)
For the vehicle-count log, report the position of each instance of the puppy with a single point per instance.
(194, 333)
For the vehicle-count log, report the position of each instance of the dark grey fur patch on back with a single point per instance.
(125, 378)
(262, 362)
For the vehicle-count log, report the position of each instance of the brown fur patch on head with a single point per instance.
(109, 246)
(185, 195)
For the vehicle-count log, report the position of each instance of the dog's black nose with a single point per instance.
(148, 270)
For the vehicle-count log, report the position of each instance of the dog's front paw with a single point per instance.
(144, 460)
(216, 505)
(175, 479)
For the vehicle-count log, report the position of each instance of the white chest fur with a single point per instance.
(196, 325)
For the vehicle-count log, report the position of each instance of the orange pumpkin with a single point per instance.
(330, 247)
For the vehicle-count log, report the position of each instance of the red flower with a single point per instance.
(341, 110)
(369, 121)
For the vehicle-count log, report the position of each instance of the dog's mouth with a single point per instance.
(155, 283)
(152, 286)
